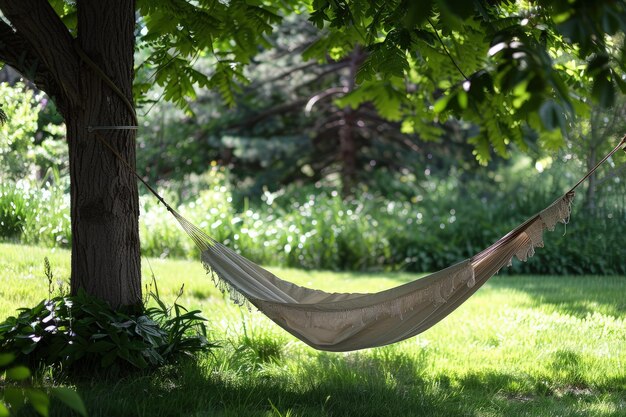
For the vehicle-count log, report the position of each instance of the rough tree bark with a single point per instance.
(105, 204)
(348, 142)
(104, 196)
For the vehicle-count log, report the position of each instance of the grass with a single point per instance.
(522, 346)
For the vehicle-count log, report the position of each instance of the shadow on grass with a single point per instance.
(578, 296)
(380, 382)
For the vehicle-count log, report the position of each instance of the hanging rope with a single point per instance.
(603, 160)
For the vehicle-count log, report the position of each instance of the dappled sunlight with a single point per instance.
(520, 344)
(379, 382)
(371, 150)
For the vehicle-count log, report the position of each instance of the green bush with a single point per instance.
(445, 221)
(16, 394)
(36, 213)
(82, 331)
(13, 211)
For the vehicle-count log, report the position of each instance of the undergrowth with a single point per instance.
(522, 345)
(82, 332)
(425, 229)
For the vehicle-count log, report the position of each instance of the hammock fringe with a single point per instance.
(338, 312)
(226, 287)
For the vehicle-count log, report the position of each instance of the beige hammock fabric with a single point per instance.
(349, 321)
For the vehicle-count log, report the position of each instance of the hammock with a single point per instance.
(349, 321)
(340, 322)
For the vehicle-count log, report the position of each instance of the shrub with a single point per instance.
(81, 330)
(445, 221)
(14, 397)
(13, 207)
(36, 213)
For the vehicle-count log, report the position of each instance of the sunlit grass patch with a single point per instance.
(522, 346)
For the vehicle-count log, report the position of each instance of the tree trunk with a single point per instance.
(105, 204)
(348, 154)
(348, 146)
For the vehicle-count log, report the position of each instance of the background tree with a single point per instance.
(591, 140)
(523, 77)
(504, 66)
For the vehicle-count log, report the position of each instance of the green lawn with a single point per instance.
(523, 346)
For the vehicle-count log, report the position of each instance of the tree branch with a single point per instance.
(327, 70)
(13, 49)
(612, 174)
(282, 75)
(272, 111)
(16, 52)
(322, 95)
(36, 22)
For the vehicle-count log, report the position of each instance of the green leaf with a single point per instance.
(4, 411)
(481, 148)
(18, 373)
(551, 115)
(366, 71)
(417, 12)
(6, 358)
(462, 99)
(551, 140)
(598, 64)
(441, 104)
(70, 398)
(387, 101)
(71, 20)
(101, 346)
(461, 8)
(15, 398)
(39, 400)
(620, 83)
(603, 90)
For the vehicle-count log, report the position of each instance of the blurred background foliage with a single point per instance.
(321, 162)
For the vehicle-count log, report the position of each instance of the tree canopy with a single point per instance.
(504, 66)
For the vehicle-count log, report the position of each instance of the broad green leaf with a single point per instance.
(18, 373)
(14, 397)
(551, 115)
(39, 400)
(6, 358)
(70, 398)
(441, 104)
(461, 98)
(603, 90)
(4, 411)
